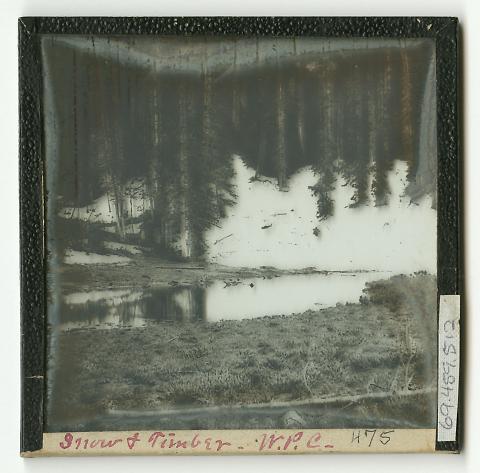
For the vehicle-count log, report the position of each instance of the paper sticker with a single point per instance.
(216, 442)
(448, 367)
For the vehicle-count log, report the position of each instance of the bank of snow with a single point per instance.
(273, 228)
(82, 257)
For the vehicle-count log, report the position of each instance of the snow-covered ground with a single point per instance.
(268, 227)
(82, 257)
(102, 210)
(400, 237)
(115, 246)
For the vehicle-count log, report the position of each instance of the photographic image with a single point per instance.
(241, 232)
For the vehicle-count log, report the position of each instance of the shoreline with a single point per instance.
(155, 272)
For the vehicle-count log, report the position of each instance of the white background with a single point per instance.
(469, 13)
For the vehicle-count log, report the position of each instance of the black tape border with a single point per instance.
(32, 233)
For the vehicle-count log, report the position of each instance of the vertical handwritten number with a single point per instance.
(447, 349)
(452, 325)
(445, 408)
(448, 423)
(446, 391)
(451, 364)
(448, 379)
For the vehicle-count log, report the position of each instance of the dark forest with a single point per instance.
(173, 131)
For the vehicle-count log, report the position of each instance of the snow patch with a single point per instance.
(131, 249)
(82, 257)
(269, 227)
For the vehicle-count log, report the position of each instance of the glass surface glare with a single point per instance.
(240, 221)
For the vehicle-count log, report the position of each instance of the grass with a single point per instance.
(384, 343)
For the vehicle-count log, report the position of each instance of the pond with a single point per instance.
(233, 299)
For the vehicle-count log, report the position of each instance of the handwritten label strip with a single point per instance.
(448, 367)
(215, 442)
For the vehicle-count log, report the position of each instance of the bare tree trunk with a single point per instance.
(262, 140)
(236, 91)
(406, 109)
(118, 196)
(295, 116)
(384, 151)
(156, 192)
(372, 118)
(75, 132)
(328, 145)
(185, 224)
(281, 129)
(116, 158)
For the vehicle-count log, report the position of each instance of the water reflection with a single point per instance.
(221, 300)
(285, 295)
(131, 308)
